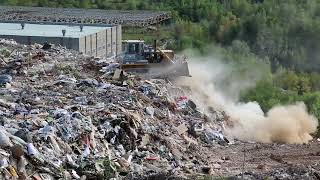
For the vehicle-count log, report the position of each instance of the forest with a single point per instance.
(283, 37)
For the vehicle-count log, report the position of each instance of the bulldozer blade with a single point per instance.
(159, 70)
(183, 70)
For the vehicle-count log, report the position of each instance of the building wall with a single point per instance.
(94, 44)
(119, 40)
(82, 45)
(114, 40)
(88, 45)
(108, 42)
(93, 38)
(73, 44)
(70, 43)
(101, 44)
(19, 39)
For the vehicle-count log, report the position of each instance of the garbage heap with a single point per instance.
(65, 115)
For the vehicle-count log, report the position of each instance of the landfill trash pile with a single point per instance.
(65, 115)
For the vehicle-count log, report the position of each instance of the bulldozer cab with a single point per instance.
(133, 51)
(136, 51)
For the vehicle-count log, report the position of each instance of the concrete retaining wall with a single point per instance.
(104, 43)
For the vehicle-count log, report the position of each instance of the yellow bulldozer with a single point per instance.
(139, 57)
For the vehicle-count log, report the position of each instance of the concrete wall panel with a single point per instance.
(119, 40)
(114, 40)
(19, 39)
(88, 45)
(82, 45)
(101, 43)
(70, 43)
(93, 38)
(109, 50)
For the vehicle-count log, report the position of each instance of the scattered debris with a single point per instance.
(101, 121)
(58, 123)
(182, 128)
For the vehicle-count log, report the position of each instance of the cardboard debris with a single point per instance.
(117, 74)
(182, 128)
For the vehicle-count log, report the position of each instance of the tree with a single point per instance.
(84, 4)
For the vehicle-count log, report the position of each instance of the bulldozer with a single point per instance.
(139, 57)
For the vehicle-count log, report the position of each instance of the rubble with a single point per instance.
(4, 78)
(68, 115)
(65, 115)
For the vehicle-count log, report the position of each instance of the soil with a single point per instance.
(260, 161)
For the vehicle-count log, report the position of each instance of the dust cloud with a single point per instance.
(283, 124)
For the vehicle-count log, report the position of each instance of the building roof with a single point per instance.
(46, 30)
(81, 16)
